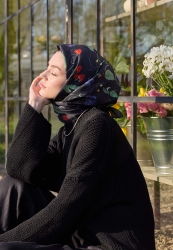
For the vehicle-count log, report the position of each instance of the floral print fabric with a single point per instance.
(91, 81)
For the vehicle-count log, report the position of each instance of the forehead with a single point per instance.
(57, 60)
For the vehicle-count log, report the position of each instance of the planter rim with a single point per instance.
(156, 117)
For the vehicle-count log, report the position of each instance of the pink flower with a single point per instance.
(153, 92)
(127, 104)
(142, 107)
(128, 114)
(128, 109)
(153, 106)
(161, 111)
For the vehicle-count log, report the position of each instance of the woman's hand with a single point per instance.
(35, 99)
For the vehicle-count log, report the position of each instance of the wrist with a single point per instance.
(36, 105)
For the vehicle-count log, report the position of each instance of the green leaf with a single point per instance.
(141, 84)
(109, 75)
(143, 129)
(66, 89)
(125, 123)
(122, 68)
(113, 94)
(142, 125)
(57, 110)
(69, 88)
(106, 91)
(120, 65)
(73, 87)
(119, 120)
(126, 88)
(139, 68)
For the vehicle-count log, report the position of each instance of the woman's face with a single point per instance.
(53, 78)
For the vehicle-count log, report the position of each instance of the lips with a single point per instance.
(41, 85)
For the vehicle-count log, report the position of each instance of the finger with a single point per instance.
(36, 80)
(35, 87)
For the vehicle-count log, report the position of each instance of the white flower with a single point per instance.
(170, 77)
(158, 65)
(158, 59)
(169, 68)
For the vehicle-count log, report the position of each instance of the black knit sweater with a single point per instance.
(102, 195)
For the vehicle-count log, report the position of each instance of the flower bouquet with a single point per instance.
(158, 65)
(148, 109)
(151, 109)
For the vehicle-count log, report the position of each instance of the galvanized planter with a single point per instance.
(160, 137)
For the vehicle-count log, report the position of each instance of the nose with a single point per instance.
(44, 74)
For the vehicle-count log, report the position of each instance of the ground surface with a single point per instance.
(164, 220)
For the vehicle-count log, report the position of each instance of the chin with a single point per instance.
(41, 93)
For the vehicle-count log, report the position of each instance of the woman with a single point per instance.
(102, 200)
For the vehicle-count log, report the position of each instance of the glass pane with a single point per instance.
(143, 153)
(115, 40)
(13, 117)
(39, 38)
(57, 24)
(84, 22)
(2, 10)
(24, 2)
(12, 6)
(2, 133)
(12, 57)
(22, 105)
(25, 49)
(2, 61)
(154, 27)
(53, 119)
(50, 115)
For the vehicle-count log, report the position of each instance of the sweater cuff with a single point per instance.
(29, 122)
(30, 113)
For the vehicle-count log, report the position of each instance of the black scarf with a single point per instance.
(91, 81)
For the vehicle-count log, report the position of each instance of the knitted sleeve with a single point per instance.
(30, 154)
(80, 187)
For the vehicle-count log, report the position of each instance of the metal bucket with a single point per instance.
(160, 137)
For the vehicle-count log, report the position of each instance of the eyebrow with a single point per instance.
(54, 66)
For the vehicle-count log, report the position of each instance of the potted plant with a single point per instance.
(158, 118)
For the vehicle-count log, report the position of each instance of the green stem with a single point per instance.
(164, 82)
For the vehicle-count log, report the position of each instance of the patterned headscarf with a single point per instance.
(91, 81)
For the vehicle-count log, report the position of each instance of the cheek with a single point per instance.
(57, 84)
